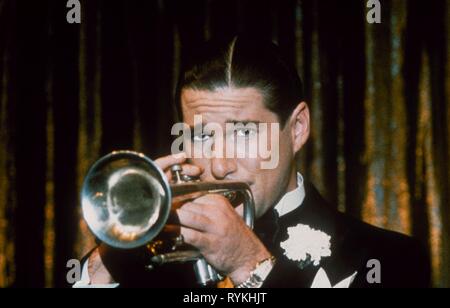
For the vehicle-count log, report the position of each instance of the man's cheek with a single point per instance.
(269, 146)
(249, 166)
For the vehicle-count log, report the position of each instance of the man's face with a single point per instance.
(243, 105)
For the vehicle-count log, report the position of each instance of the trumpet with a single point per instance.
(126, 202)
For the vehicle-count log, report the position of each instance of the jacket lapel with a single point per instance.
(346, 257)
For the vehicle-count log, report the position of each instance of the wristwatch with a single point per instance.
(259, 274)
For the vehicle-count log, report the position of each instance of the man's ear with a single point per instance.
(299, 126)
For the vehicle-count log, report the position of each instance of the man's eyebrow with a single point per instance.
(234, 122)
(245, 122)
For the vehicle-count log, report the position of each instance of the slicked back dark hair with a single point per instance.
(243, 62)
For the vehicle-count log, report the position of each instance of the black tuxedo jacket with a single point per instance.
(403, 262)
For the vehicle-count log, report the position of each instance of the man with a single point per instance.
(298, 239)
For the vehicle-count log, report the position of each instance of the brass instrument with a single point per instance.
(126, 201)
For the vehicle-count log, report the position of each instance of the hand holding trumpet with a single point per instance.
(209, 223)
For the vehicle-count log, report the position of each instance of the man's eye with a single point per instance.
(245, 132)
(201, 138)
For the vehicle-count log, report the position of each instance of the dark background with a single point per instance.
(70, 93)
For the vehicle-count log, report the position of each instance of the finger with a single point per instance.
(221, 204)
(194, 220)
(187, 169)
(197, 208)
(180, 200)
(192, 170)
(193, 237)
(170, 160)
(212, 198)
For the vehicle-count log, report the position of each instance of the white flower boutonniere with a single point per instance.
(306, 245)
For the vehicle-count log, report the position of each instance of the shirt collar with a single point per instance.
(292, 199)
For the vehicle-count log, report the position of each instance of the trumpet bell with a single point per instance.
(126, 199)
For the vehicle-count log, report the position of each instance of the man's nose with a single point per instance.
(222, 167)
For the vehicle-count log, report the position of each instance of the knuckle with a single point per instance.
(189, 236)
(194, 238)
(167, 161)
(198, 241)
(187, 206)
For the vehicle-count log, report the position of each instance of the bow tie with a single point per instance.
(266, 228)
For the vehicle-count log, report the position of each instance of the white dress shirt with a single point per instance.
(292, 199)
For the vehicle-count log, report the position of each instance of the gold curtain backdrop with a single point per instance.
(70, 93)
